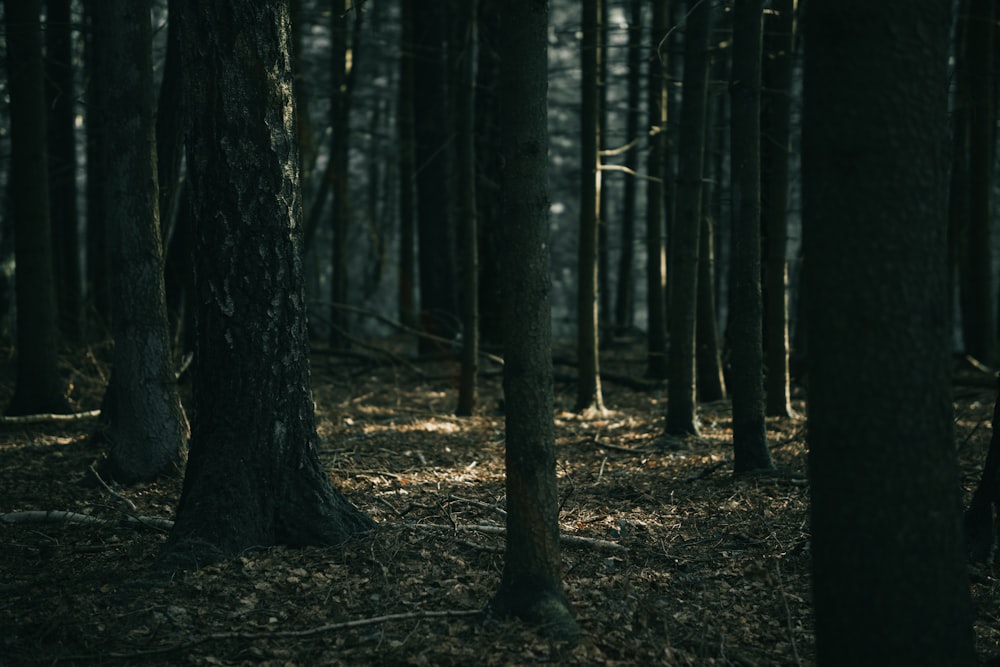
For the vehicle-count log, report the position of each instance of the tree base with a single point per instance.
(547, 612)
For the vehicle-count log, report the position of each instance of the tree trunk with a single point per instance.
(339, 173)
(886, 534)
(779, 44)
(984, 509)
(407, 171)
(98, 271)
(681, 418)
(711, 382)
(463, 27)
(656, 269)
(38, 385)
(531, 583)
(253, 477)
(588, 385)
(750, 450)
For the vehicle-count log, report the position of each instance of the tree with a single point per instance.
(254, 476)
(463, 16)
(62, 164)
(145, 424)
(339, 171)
(750, 451)
(775, 118)
(656, 187)
(407, 168)
(979, 519)
(98, 271)
(588, 384)
(685, 229)
(531, 585)
(889, 581)
(38, 385)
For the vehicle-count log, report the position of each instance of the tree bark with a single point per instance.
(885, 513)
(38, 386)
(531, 583)
(254, 476)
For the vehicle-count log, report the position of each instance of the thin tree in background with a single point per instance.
(144, 423)
(681, 407)
(253, 476)
(588, 385)
(776, 94)
(98, 270)
(407, 171)
(464, 23)
(38, 386)
(339, 171)
(656, 261)
(711, 381)
(531, 584)
(625, 293)
(750, 450)
(889, 580)
(605, 310)
(62, 165)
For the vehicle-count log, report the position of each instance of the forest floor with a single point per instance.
(679, 563)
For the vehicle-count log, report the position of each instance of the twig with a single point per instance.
(575, 540)
(128, 503)
(58, 516)
(705, 472)
(49, 417)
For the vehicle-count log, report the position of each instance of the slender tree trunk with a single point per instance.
(604, 309)
(38, 386)
(62, 165)
(588, 386)
(656, 265)
(339, 173)
(779, 44)
(98, 272)
(750, 450)
(708, 357)
(681, 418)
(464, 24)
(889, 578)
(625, 294)
(531, 583)
(407, 172)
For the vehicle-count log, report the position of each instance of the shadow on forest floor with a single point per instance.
(680, 564)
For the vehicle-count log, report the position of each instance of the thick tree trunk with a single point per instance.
(531, 584)
(885, 513)
(681, 406)
(38, 385)
(145, 424)
(750, 450)
(253, 477)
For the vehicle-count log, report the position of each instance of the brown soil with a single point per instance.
(682, 564)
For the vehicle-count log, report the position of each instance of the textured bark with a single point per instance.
(889, 582)
(625, 289)
(588, 384)
(776, 73)
(681, 418)
(253, 477)
(38, 385)
(656, 269)
(530, 587)
(750, 450)
(145, 424)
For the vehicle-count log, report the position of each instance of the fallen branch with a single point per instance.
(575, 540)
(59, 516)
(49, 417)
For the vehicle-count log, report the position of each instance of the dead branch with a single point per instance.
(575, 540)
(100, 480)
(59, 516)
(49, 417)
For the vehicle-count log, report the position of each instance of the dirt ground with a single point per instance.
(679, 563)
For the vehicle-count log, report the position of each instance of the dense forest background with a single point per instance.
(425, 333)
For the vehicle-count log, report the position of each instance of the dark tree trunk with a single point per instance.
(984, 509)
(625, 293)
(711, 382)
(339, 171)
(750, 450)
(604, 308)
(885, 513)
(463, 27)
(62, 166)
(656, 269)
(435, 228)
(254, 476)
(779, 42)
(98, 271)
(145, 425)
(531, 584)
(38, 386)
(684, 247)
(588, 385)
(407, 171)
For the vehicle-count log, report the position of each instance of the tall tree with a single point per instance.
(339, 171)
(98, 270)
(531, 583)
(463, 17)
(588, 383)
(750, 450)
(407, 169)
(775, 118)
(681, 418)
(656, 186)
(253, 477)
(144, 421)
(38, 386)
(889, 580)
(62, 164)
